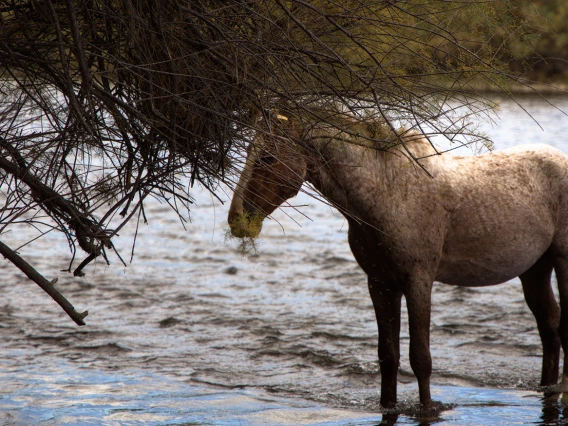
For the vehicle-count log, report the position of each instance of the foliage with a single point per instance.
(547, 57)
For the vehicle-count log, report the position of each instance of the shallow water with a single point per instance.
(194, 333)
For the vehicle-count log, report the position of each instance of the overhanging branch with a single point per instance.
(46, 285)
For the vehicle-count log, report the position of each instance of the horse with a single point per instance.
(469, 221)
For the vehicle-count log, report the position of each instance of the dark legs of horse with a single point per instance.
(386, 302)
(561, 269)
(541, 301)
(418, 300)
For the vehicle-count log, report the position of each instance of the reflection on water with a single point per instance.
(84, 396)
(194, 333)
(70, 394)
(87, 396)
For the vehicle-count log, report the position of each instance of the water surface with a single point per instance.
(192, 332)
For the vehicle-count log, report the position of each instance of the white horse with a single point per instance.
(476, 221)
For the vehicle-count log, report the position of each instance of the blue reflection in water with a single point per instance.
(85, 396)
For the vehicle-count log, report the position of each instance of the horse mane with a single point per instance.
(374, 134)
(418, 145)
(346, 130)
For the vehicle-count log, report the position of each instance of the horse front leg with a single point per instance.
(386, 301)
(418, 295)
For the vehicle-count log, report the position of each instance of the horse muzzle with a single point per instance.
(245, 225)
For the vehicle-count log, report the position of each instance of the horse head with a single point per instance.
(274, 171)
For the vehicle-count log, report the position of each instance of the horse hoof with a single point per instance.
(555, 389)
(431, 410)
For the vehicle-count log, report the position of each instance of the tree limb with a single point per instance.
(46, 285)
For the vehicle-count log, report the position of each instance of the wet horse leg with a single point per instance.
(561, 269)
(541, 301)
(418, 295)
(386, 301)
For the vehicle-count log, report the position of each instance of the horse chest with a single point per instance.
(391, 257)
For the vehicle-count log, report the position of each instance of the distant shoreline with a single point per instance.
(536, 88)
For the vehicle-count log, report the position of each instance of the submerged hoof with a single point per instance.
(432, 410)
(424, 413)
(555, 389)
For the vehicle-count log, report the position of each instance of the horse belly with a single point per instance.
(473, 274)
(499, 231)
(492, 264)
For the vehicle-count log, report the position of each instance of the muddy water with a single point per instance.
(192, 332)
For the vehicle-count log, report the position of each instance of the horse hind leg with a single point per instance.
(540, 299)
(561, 269)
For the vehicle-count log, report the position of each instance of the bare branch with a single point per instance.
(46, 285)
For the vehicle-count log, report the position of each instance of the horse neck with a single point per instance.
(359, 180)
(342, 173)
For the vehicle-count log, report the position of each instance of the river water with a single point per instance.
(194, 333)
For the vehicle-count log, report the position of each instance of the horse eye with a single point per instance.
(267, 160)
